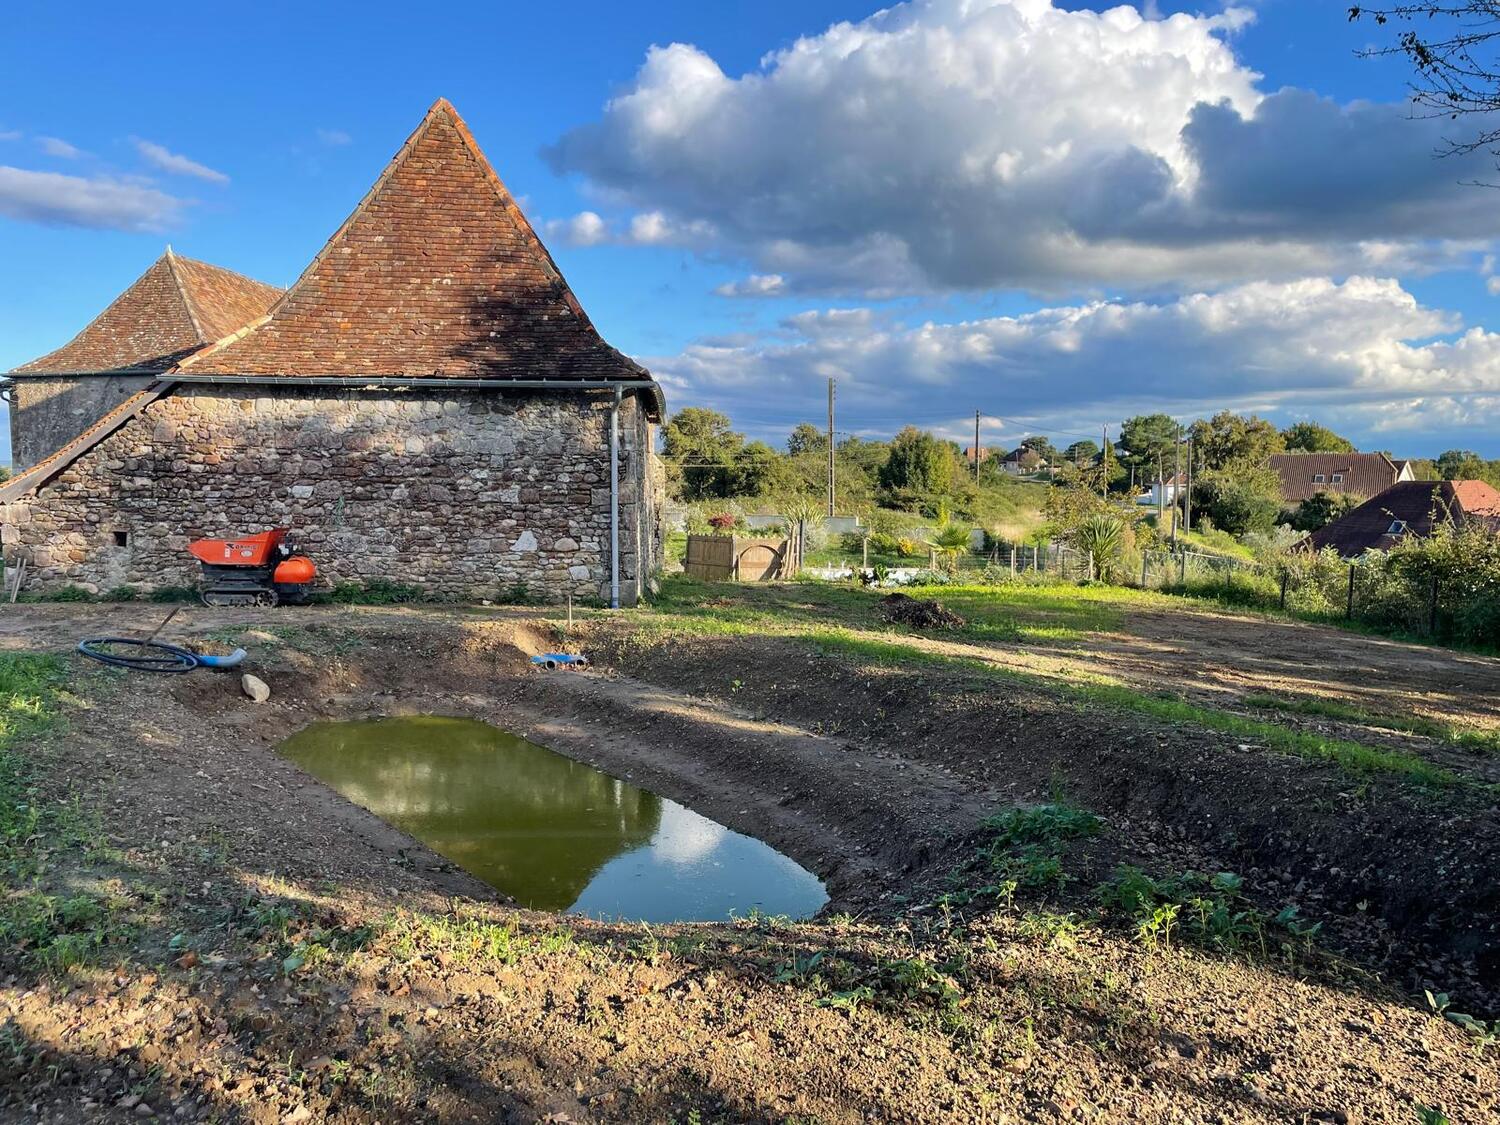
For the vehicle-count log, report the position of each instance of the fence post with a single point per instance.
(1284, 576)
(864, 561)
(1182, 570)
(1090, 558)
(1432, 611)
(1349, 605)
(1012, 560)
(1144, 556)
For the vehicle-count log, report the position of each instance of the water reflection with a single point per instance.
(553, 833)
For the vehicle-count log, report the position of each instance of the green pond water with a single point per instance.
(552, 833)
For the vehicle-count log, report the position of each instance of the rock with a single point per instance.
(525, 542)
(255, 687)
(300, 1114)
(565, 544)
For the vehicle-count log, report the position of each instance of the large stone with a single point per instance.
(526, 541)
(255, 687)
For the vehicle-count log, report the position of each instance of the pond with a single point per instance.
(552, 833)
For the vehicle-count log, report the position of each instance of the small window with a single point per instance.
(1398, 527)
(122, 539)
(1338, 478)
(1318, 478)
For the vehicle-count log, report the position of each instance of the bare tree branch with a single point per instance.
(1456, 54)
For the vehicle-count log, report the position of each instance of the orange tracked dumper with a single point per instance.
(262, 569)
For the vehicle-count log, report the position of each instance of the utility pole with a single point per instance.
(1161, 492)
(1187, 501)
(1176, 479)
(1104, 466)
(977, 450)
(830, 447)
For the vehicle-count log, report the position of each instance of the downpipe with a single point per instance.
(614, 501)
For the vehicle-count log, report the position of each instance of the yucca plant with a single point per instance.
(1102, 539)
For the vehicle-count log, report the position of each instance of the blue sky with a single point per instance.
(1053, 216)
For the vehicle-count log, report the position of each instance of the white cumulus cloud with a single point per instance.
(1314, 346)
(961, 144)
(100, 202)
(56, 146)
(177, 164)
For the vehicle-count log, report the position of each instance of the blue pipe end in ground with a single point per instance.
(230, 661)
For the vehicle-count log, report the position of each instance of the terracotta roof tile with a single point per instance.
(1411, 507)
(436, 273)
(173, 309)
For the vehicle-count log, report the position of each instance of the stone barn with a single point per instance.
(427, 404)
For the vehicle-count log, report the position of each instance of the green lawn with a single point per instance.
(842, 620)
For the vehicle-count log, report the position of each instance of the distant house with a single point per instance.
(1164, 492)
(1022, 462)
(1412, 507)
(1304, 475)
(984, 453)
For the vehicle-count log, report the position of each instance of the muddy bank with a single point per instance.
(1402, 876)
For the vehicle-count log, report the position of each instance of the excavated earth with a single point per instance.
(877, 778)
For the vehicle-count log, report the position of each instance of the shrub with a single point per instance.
(377, 591)
(66, 594)
(722, 522)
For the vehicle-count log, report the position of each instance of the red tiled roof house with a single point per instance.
(428, 403)
(1408, 508)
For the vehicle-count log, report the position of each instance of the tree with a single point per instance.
(1144, 439)
(1322, 508)
(758, 471)
(1459, 464)
(917, 463)
(699, 450)
(1236, 502)
(807, 438)
(1043, 448)
(1450, 43)
(1081, 452)
(1309, 437)
(1235, 442)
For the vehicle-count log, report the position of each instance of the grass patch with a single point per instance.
(702, 609)
(1483, 741)
(49, 931)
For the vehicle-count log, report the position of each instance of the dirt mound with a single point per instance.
(918, 613)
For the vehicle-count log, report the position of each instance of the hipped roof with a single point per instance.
(172, 310)
(436, 274)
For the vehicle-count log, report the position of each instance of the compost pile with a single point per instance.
(918, 613)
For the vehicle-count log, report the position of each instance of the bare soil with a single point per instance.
(875, 778)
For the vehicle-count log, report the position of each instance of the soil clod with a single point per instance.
(919, 613)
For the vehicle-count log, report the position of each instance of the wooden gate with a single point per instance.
(722, 558)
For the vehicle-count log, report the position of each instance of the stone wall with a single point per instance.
(47, 412)
(465, 494)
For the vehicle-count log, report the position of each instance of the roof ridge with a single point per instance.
(220, 344)
(75, 447)
(359, 209)
(440, 110)
(100, 315)
(182, 293)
